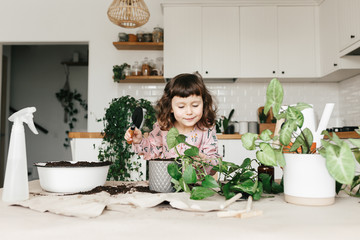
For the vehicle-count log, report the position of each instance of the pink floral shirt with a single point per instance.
(155, 146)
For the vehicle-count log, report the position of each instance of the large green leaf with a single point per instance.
(266, 181)
(304, 140)
(198, 193)
(171, 138)
(355, 142)
(286, 132)
(245, 163)
(192, 151)
(266, 155)
(248, 140)
(173, 171)
(209, 182)
(266, 135)
(189, 175)
(228, 193)
(301, 106)
(246, 175)
(258, 192)
(274, 97)
(340, 163)
(292, 113)
(279, 157)
(184, 186)
(247, 186)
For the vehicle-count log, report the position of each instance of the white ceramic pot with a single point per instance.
(307, 180)
(71, 179)
(159, 178)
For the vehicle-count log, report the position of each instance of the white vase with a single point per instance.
(307, 180)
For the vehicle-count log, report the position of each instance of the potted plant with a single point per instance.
(189, 175)
(305, 168)
(228, 128)
(114, 148)
(119, 73)
(159, 178)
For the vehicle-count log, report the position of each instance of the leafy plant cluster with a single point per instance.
(119, 73)
(223, 122)
(189, 175)
(292, 139)
(68, 100)
(116, 121)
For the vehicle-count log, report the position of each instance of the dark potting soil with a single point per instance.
(113, 190)
(77, 164)
(161, 159)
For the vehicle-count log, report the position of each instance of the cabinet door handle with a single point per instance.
(335, 64)
(352, 36)
(283, 72)
(223, 150)
(274, 72)
(206, 72)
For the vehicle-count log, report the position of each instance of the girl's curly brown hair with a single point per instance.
(185, 85)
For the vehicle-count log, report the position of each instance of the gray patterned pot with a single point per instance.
(159, 178)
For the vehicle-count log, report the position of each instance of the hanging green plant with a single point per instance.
(69, 100)
(116, 121)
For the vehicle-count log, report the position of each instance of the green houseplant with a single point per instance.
(116, 121)
(292, 139)
(69, 101)
(189, 175)
(119, 73)
(228, 128)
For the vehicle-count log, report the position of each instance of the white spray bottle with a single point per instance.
(16, 186)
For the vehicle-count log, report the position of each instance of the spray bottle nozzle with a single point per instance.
(25, 115)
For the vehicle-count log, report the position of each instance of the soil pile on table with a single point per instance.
(120, 189)
(77, 164)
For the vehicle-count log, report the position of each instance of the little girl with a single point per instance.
(188, 106)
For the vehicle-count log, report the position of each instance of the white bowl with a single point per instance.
(71, 179)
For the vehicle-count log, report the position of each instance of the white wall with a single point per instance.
(86, 21)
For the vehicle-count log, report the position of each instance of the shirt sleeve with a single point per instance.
(152, 146)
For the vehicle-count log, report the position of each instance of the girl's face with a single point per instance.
(187, 111)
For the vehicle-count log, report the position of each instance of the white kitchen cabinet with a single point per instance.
(328, 27)
(349, 22)
(278, 41)
(220, 42)
(258, 41)
(182, 40)
(203, 39)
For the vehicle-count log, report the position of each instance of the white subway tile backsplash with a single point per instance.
(247, 97)
(349, 90)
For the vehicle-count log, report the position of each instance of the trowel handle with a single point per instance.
(132, 128)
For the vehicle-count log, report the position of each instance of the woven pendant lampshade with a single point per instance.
(128, 13)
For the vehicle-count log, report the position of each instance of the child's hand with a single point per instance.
(136, 138)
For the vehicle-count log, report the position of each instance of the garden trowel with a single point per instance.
(137, 119)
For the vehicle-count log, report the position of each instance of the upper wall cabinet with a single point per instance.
(203, 39)
(278, 41)
(349, 23)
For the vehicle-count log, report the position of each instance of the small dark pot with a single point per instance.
(268, 170)
(230, 129)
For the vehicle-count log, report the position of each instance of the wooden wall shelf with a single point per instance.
(143, 79)
(139, 45)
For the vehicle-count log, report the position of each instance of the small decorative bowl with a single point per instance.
(72, 177)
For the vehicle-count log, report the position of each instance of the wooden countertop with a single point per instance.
(343, 135)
